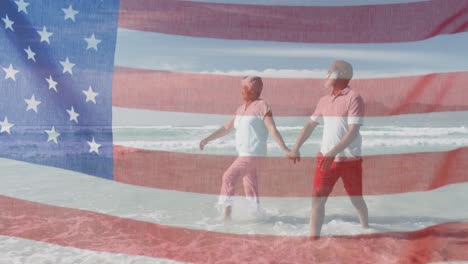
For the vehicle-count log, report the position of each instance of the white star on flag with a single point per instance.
(22, 6)
(93, 146)
(8, 23)
(52, 135)
(67, 66)
(31, 54)
(90, 95)
(73, 115)
(10, 73)
(92, 42)
(70, 13)
(32, 103)
(45, 35)
(6, 126)
(52, 83)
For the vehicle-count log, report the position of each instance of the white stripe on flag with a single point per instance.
(149, 50)
(284, 216)
(24, 251)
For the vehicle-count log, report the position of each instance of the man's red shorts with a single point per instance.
(349, 171)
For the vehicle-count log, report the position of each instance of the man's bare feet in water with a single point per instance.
(314, 238)
(320, 242)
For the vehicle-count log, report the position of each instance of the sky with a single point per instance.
(236, 57)
(148, 50)
(158, 51)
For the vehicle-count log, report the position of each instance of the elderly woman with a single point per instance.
(252, 122)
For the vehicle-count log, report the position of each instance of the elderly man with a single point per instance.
(341, 112)
(252, 122)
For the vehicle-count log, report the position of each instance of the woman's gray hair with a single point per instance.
(253, 82)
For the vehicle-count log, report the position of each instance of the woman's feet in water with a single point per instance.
(227, 214)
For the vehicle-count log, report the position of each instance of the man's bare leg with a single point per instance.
(317, 216)
(227, 214)
(361, 208)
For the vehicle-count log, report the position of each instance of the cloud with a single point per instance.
(318, 73)
(349, 54)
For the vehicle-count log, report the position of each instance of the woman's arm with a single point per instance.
(221, 132)
(270, 124)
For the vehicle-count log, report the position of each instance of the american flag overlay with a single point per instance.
(57, 84)
(104, 103)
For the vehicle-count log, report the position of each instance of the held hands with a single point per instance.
(294, 155)
(203, 143)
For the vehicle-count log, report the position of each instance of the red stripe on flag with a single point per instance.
(318, 24)
(100, 232)
(382, 174)
(220, 94)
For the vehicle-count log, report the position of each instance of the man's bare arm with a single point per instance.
(306, 132)
(353, 131)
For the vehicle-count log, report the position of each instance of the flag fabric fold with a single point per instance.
(80, 178)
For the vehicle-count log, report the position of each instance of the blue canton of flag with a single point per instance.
(56, 67)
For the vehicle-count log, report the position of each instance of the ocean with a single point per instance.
(280, 216)
(389, 135)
